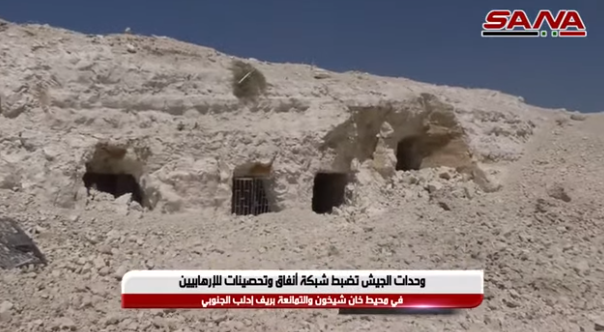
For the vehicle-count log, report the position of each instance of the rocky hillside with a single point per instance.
(482, 181)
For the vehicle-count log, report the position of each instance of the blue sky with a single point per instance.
(436, 41)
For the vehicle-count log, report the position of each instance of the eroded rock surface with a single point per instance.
(436, 177)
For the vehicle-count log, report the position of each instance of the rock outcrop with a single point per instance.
(165, 112)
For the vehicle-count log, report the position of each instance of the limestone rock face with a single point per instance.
(165, 112)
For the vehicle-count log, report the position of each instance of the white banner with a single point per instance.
(303, 282)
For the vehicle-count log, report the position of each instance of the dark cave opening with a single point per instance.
(408, 156)
(328, 191)
(114, 184)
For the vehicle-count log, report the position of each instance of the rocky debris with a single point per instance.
(321, 74)
(578, 116)
(5, 311)
(487, 181)
(558, 192)
(433, 186)
(542, 205)
(63, 324)
(444, 205)
(120, 271)
(562, 120)
(123, 204)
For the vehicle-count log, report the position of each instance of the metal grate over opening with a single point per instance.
(16, 247)
(249, 196)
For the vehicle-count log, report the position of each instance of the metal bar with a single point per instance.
(249, 196)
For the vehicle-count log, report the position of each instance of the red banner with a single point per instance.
(301, 301)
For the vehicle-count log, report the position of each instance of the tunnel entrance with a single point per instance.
(249, 196)
(408, 154)
(114, 184)
(328, 191)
